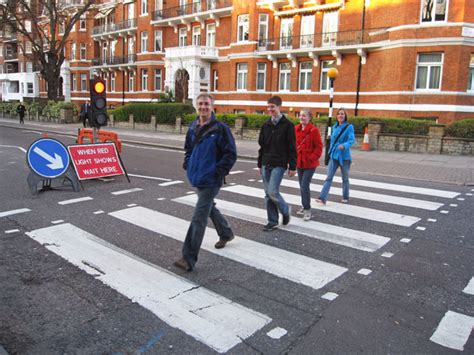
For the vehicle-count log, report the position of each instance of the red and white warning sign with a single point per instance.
(95, 160)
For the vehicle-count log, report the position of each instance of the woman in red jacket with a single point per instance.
(309, 148)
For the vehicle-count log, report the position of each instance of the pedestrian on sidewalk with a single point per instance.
(210, 154)
(84, 114)
(342, 138)
(277, 153)
(309, 147)
(21, 109)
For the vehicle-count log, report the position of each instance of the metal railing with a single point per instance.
(115, 27)
(128, 59)
(325, 39)
(10, 55)
(190, 9)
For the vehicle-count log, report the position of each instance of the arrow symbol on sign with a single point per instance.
(56, 162)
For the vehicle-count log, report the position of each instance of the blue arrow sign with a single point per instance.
(48, 158)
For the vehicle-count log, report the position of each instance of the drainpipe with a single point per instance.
(359, 69)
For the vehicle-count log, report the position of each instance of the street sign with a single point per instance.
(95, 160)
(48, 158)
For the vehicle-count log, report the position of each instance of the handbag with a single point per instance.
(328, 156)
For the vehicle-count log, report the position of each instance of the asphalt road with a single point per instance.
(303, 281)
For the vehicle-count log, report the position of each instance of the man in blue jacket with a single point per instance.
(210, 154)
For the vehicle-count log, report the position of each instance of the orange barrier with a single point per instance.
(365, 143)
(102, 136)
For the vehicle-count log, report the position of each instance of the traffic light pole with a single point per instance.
(329, 128)
(94, 135)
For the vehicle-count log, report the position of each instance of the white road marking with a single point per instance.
(132, 205)
(123, 192)
(236, 172)
(453, 205)
(10, 231)
(12, 212)
(364, 272)
(393, 187)
(341, 208)
(330, 296)
(161, 198)
(291, 266)
(431, 220)
(13, 146)
(405, 240)
(444, 212)
(57, 221)
(171, 183)
(148, 177)
(327, 232)
(468, 194)
(469, 289)
(277, 333)
(453, 331)
(75, 200)
(208, 317)
(99, 212)
(251, 180)
(421, 228)
(461, 199)
(371, 196)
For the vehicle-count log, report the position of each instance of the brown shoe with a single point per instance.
(182, 264)
(222, 242)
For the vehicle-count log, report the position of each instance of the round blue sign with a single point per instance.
(48, 158)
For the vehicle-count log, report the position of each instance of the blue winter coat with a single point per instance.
(210, 156)
(346, 139)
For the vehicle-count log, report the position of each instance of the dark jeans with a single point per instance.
(21, 118)
(304, 178)
(274, 201)
(205, 207)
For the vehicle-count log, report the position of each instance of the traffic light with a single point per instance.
(98, 113)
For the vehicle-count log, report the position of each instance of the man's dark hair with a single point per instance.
(276, 100)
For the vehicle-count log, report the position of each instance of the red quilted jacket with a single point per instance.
(308, 146)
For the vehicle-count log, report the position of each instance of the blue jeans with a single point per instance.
(304, 178)
(205, 207)
(332, 168)
(274, 202)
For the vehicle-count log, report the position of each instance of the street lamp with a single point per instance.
(332, 75)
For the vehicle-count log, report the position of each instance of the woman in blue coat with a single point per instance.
(342, 138)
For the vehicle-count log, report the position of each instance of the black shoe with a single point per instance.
(183, 264)
(286, 217)
(222, 242)
(270, 227)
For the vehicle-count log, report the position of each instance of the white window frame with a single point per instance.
(131, 81)
(263, 21)
(73, 51)
(325, 66)
(73, 82)
(28, 85)
(112, 46)
(211, 35)
(215, 79)
(131, 45)
(433, 11)
(158, 80)
(284, 77)
(261, 72)
(144, 7)
(305, 77)
(330, 28)
(131, 11)
(144, 79)
(83, 82)
(158, 41)
(196, 35)
(158, 5)
(243, 22)
(286, 33)
(430, 66)
(29, 67)
(242, 77)
(104, 52)
(82, 51)
(470, 84)
(144, 42)
(307, 31)
(82, 23)
(182, 37)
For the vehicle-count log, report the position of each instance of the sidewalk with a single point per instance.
(426, 167)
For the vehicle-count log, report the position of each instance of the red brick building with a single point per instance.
(410, 58)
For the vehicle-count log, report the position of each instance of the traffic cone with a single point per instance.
(45, 135)
(365, 142)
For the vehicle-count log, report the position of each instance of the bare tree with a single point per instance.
(46, 24)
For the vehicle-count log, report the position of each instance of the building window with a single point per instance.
(112, 82)
(242, 76)
(73, 51)
(61, 28)
(83, 82)
(82, 52)
(262, 30)
(286, 33)
(215, 79)
(29, 67)
(285, 77)
(29, 88)
(131, 45)
(330, 26)
(428, 71)
(183, 36)
(433, 10)
(144, 79)
(158, 40)
(113, 44)
(196, 6)
(305, 76)
(131, 11)
(307, 31)
(82, 23)
(73, 82)
(131, 81)
(158, 80)
(28, 47)
(470, 84)
(211, 35)
(261, 74)
(144, 8)
(144, 41)
(325, 66)
(196, 35)
(243, 28)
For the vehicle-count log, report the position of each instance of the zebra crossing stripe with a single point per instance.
(12, 212)
(453, 331)
(208, 317)
(333, 234)
(469, 289)
(363, 195)
(341, 208)
(291, 266)
(393, 187)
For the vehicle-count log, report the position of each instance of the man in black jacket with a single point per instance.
(277, 153)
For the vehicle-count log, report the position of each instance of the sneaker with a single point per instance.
(307, 215)
(182, 264)
(320, 202)
(300, 211)
(222, 242)
(286, 217)
(270, 227)
(344, 200)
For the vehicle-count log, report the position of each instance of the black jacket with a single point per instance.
(277, 144)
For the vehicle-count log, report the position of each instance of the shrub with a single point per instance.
(406, 126)
(461, 129)
(9, 107)
(165, 113)
(34, 107)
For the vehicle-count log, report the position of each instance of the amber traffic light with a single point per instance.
(98, 113)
